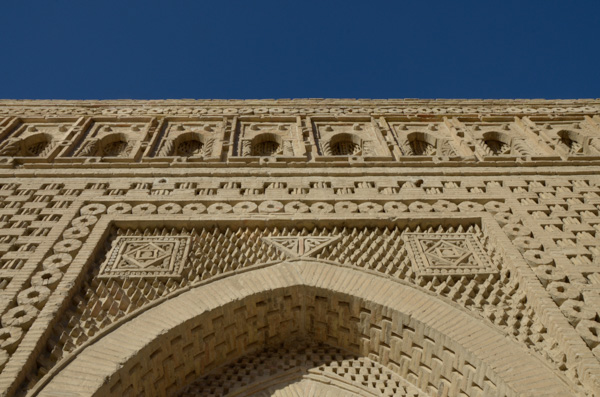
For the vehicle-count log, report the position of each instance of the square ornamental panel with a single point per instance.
(441, 254)
(146, 256)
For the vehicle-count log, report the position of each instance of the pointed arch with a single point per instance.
(432, 344)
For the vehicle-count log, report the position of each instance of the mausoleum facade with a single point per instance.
(300, 248)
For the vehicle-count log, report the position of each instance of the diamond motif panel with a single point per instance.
(436, 254)
(148, 256)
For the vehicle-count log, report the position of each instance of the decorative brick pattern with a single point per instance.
(287, 365)
(435, 254)
(112, 211)
(148, 256)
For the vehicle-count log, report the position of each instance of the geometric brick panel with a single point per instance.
(447, 254)
(148, 256)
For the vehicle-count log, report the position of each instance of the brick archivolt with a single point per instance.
(429, 343)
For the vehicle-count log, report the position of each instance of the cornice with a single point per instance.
(298, 102)
(180, 107)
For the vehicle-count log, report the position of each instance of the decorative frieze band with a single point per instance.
(304, 138)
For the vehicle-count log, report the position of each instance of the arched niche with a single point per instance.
(267, 144)
(115, 145)
(571, 141)
(345, 144)
(497, 142)
(35, 145)
(422, 143)
(432, 344)
(189, 144)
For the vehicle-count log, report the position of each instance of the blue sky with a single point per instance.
(54, 49)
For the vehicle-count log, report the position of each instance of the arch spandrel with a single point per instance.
(392, 324)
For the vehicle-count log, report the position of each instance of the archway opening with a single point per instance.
(167, 348)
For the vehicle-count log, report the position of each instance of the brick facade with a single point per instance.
(300, 247)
